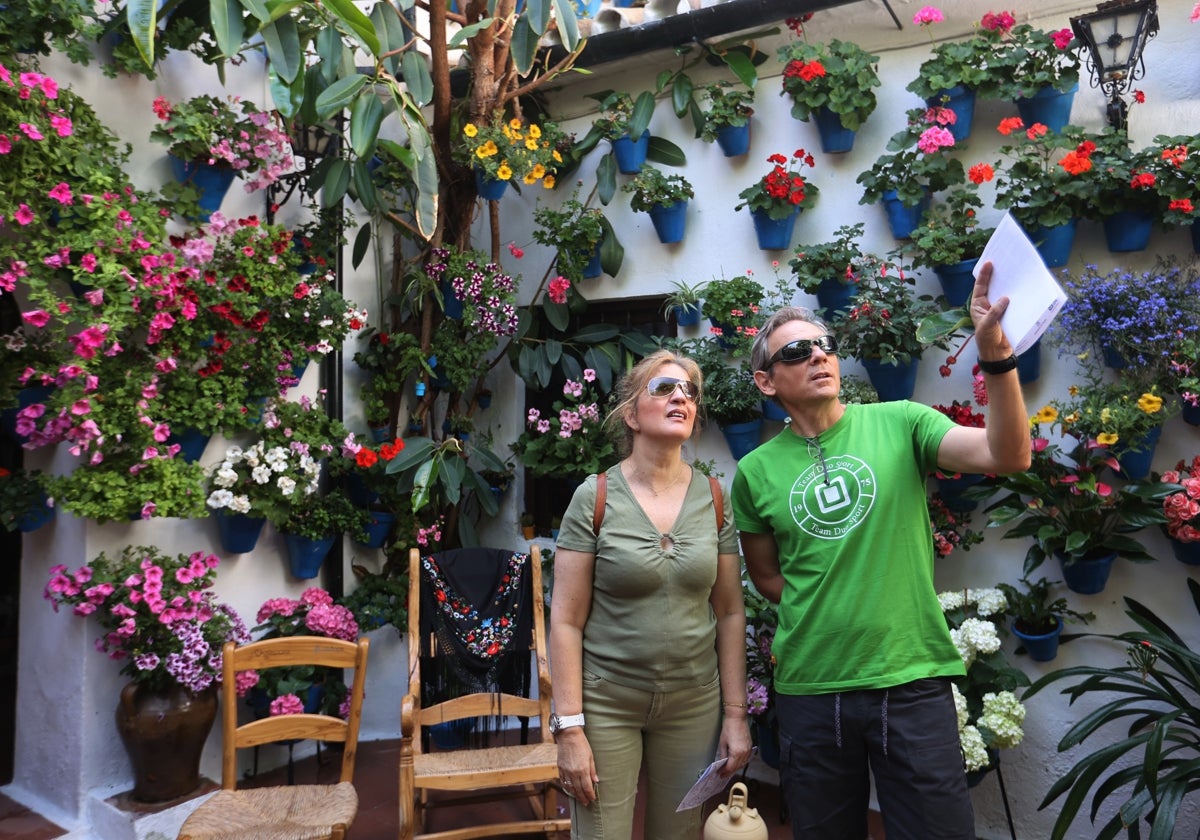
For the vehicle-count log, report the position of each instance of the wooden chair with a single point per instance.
(477, 773)
(292, 811)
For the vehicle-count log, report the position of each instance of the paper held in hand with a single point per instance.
(1018, 272)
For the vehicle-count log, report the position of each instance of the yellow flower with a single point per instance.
(531, 144)
(486, 150)
(529, 177)
(514, 124)
(1073, 390)
(1107, 438)
(504, 172)
(1046, 414)
(470, 130)
(539, 171)
(1150, 403)
(1071, 418)
(534, 131)
(548, 182)
(557, 157)
(1105, 415)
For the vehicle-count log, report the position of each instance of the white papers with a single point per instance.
(1018, 272)
(710, 782)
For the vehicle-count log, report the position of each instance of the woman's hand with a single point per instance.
(576, 767)
(735, 743)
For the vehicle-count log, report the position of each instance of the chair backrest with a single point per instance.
(433, 582)
(291, 651)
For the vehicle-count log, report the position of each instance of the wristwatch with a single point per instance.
(558, 724)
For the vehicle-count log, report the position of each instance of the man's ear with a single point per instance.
(763, 380)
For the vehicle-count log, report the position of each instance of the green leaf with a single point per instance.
(362, 245)
(339, 95)
(417, 78)
(283, 47)
(524, 45)
(557, 314)
(359, 24)
(568, 25)
(336, 183)
(606, 178)
(364, 184)
(467, 32)
(422, 483)
(366, 116)
(943, 325)
(596, 333)
(426, 177)
(661, 150)
(742, 67)
(537, 15)
(227, 24)
(452, 474)
(387, 23)
(599, 362)
(612, 252)
(329, 53)
(415, 451)
(681, 95)
(142, 19)
(643, 110)
(554, 351)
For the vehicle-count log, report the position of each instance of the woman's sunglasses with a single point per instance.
(800, 350)
(664, 386)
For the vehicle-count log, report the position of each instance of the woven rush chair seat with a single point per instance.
(284, 812)
(461, 770)
(298, 812)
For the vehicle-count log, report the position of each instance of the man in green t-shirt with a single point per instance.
(834, 528)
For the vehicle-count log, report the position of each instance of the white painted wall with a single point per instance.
(67, 748)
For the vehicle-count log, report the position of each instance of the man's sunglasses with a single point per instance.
(800, 349)
(664, 386)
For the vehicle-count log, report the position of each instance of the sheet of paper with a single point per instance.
(1019, 273)
(709, 783)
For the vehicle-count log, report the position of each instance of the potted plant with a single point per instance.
(949, 238)
(732, 305)
(1150, 699)
(1126, 199)
(582, 238)
(777, 198)
(1036, 620)
(305, 688)
(732, 401)
(625, 123)
(727, 118)
(915, 165)
(664, 197)
(36, 27)
(23, 502)
(1182, 510)
(990, 716)
(834, 83)
(573, 440)
(830, 270)
(951, 487)
(1070, 507)
(389, 359)
(160, 618)
(378, 599)
(1132, 321)
(528, 529)
(956, 72)
(951, 528)
(502, 151)
(1029, 61)
(1177, 166)
(684, 302)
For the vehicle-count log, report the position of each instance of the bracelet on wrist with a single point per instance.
(737, 705)
(999, 366)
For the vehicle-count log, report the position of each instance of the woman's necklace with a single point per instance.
(656, 492)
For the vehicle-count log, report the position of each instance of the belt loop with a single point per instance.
(837, 719)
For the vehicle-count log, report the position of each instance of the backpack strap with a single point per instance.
(714, 487)
(601, 497)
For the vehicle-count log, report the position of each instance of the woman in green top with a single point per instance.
(647, 630)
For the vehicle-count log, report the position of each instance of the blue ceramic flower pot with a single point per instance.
(1191, 414)
(39, 515)
(892, 381)
(742, 438)
(951, 490)
(192, 443)
(961, 100)
(734, 140)
(835, 297)
(772, 410)
(489, 189)
(902, 218)
(1088, 576)
(238, 532)
(773, 234)
(1049, 106)
(1128, 231)
(306, 556)
(1029, 364)
(669, 220)
(687, 316)
(631, 154)
(957, 280)
(378, 529)
(1186, 552)
(1041, 647)
(1054, 243)
(1135, 459)
(835, 137)
(212, 182)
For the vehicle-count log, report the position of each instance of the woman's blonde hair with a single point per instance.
(633, 383)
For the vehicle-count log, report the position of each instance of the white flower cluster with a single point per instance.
(973, 637)
(975, 755)
(258, 467)
(1004, 715)
(990, 601)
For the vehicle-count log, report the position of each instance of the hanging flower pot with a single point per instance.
(773, 234)
(896, 381)
(1053, 243)
(489, 188)
(1191, 413)
(211, 180)
(631, 154)
(958, 281)
(961, 100)
(772, 410)
(1088, 576)
(835, 137)
(834, 296)
(734, 140)
(37, 516)
(742, 438)
(593, 268)
(1186, 552)
(191, 442)
(902, 218)
(1029, 364)
(238, 532)
(26, 397)
(1127, 230)
(306, 555)
(378, 529)
(687, 316)
(1049, 106)
(951, 489)
(1136, 458)
(1041, 647)
(669, 220)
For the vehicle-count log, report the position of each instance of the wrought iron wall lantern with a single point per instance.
(1115, 35)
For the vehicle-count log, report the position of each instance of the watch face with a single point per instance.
(555, 723)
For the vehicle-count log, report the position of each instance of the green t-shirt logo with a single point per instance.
(831, 499)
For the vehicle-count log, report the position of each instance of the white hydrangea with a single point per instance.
(980, 635)
(989, 601)
(1003, 714)
(965, 651)
(950, 600)
(975, 755)
(960, 706)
